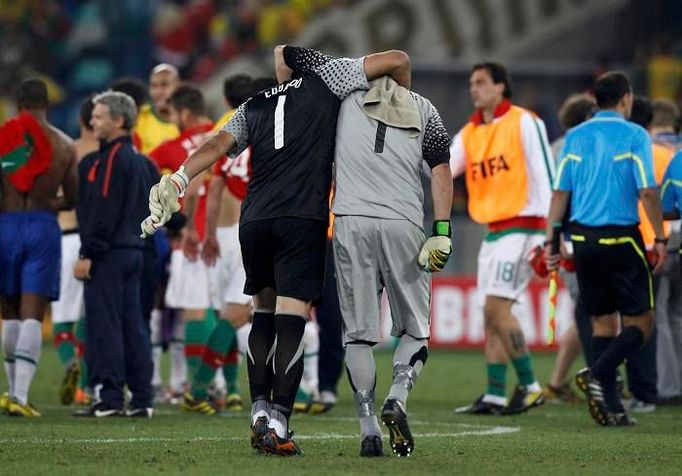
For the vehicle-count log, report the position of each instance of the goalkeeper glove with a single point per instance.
(436, 251)
(163, 201)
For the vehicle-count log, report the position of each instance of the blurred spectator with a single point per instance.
(279, 22)
(134, 88)
(664, 130)
(575, 110)
(664, 73)
(180, 31)
(641, 367)
(82, 45)
(153, 126)
(665, 124)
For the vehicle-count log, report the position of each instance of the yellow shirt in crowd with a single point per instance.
(151, 130)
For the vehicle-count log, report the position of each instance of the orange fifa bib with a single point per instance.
(496, 175)
(662, 156)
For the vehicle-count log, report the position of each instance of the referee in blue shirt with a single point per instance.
(605, 167)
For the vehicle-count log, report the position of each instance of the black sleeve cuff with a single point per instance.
(304, 59)
(291, 53)
(88, 252)
(443, 158)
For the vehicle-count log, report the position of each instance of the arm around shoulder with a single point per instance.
(394, 63)
(282, 70)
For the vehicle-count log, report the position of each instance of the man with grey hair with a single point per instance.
(112, 201)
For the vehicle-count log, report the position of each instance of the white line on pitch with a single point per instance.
(497, 430)
(245, 415)
(415, 422)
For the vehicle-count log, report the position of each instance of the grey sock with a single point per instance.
(260, 406)
(361, 371)
(408, 360)
(364, 404)
(360, 366)
(404, 377)
(280, 423)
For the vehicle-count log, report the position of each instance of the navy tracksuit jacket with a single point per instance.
(113, 200)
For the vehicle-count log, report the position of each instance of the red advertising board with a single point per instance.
(457, 313)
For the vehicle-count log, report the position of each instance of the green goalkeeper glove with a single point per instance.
(437, 249)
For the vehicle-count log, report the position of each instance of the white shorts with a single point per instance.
(503, 266)
(188, 286)
(227, 277)
(69, 307)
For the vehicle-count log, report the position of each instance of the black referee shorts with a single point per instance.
(612, 268)
(286, 254)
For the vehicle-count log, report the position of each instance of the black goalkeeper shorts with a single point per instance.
(286, 254)
(613, 270)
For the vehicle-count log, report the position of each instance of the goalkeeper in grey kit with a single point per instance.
(383, 137)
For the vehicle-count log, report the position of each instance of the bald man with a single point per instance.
(153, 126)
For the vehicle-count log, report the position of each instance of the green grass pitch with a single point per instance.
(555, 439)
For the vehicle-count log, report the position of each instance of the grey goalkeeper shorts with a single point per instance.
(373, 254)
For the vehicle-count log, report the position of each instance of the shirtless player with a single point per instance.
(39, 161)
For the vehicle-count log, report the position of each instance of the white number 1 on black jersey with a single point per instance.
(279, 122)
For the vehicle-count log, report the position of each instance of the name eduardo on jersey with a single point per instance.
(294, 83)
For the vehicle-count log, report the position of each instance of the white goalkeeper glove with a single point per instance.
(163, 201)
(436, 251)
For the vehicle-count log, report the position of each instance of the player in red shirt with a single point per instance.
(188, 284)
(222, 254)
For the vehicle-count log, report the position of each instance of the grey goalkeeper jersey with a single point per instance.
(378, 167)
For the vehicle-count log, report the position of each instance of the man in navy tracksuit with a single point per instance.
(112, 202)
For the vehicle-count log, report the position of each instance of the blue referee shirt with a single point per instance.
(604, 163)
(671, 190)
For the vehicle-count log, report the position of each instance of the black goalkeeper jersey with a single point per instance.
(292, 129)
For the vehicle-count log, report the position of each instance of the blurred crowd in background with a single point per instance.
(81, 46)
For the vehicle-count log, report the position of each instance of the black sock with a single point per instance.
(625, 344)
(261, 340)
(608, 379)
(288, 361)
